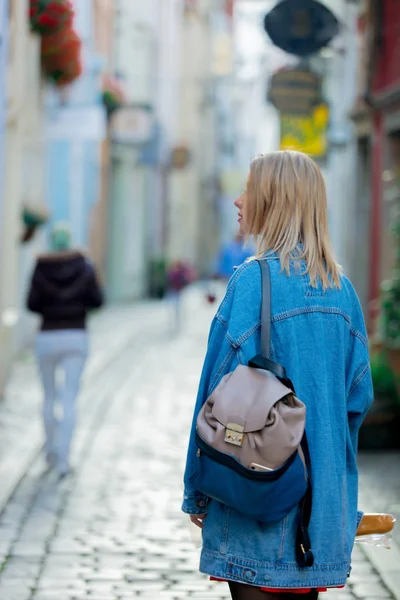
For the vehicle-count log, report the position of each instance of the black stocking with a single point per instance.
(240, 591)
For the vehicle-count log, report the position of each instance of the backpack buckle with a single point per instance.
(234, 434)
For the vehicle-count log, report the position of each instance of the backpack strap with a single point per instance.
(262, 360)
(304, 555)
(265, 307)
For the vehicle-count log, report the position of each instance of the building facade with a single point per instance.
(147, 59)
(376, 114)
(3, 95)
(75, 129)
(23, 182)
(192, 215)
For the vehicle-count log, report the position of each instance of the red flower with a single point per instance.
(50, 16)
(47, 20)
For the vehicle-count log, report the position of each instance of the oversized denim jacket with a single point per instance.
(320, 338)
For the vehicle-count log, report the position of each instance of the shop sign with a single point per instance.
(306, 133)
(301, 27)
(132, 124)
(295, 90)
(180, 157)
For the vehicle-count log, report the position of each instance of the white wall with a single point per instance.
(195, 130)
(169, 34)
(341, 167)
(136, 47)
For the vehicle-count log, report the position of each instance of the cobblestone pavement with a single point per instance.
(114, 530)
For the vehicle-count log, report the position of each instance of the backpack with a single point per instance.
(252, 446)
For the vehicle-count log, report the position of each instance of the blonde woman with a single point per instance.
(318, 335)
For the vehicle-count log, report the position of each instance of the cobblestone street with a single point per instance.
(113, 529)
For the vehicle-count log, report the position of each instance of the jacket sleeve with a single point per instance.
(358, 402)
(359, 387)
(221, 358)
(94, 295)
(34, 299)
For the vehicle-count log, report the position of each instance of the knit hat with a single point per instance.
(60, 237)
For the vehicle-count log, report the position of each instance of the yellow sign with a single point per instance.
(306, 133)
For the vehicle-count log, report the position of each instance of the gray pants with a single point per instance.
(65, 351)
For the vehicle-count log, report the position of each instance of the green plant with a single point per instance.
(391, 296)
(383, 377)
(112, 95)
(32, 218)
(157, 277)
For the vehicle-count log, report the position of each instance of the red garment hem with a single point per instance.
(286, 590)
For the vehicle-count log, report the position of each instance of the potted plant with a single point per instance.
(157, 278)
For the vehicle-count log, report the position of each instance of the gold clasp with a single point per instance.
(234, 434)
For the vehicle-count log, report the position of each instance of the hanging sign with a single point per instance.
(301, 27)
(295, 90)
(180, 157)
(132, 124)
(306, 133)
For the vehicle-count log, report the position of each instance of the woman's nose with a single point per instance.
(238, 202)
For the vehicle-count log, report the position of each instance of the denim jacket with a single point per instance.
(320, 338)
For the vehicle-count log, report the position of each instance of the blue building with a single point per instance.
(75, 128)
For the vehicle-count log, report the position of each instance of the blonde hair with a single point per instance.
(286, 205)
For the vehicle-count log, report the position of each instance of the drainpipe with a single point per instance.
(376, 222)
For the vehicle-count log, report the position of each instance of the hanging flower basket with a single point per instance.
(49, 16)
(68, 75)
(61, 56)
(64, 43)
(35, 215)
(32, 218)
(113, 95)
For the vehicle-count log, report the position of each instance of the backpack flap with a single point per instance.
(254, 417)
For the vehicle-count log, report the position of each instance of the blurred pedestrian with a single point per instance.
(231, 256)
(318, 336)
(179, 276)
(63, 288)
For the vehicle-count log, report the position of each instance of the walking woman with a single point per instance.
(63, 289)
(318, 335)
